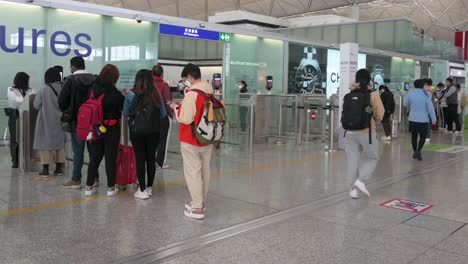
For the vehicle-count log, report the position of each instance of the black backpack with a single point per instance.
(144, 118)
(357, 111)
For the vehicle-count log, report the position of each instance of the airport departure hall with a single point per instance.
(234, 131)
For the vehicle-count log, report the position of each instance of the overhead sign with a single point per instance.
(407, 205)
(225, 37)
(195, 33)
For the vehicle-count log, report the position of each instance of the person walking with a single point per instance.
(421, 115)
(75, 92)
(166, 122)
(451, 96)
(243, 110)
(362, 110)
(145, 94)
(16, 95)
(107, 146)
(461, 104)
(196, 156)
(388, 101)
(443, 105)
(49, 137)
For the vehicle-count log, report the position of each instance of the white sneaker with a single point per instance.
(189, 206)
(112, 192)
(362, 187)
(388, 138)
(141, 195)
(90, 190)
(149, 191)
(428, 140)
(195, 213)
(165, 166)
(354, 194)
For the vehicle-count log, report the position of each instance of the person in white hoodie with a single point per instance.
(16, 95)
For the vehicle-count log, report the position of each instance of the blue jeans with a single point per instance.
(78, 147)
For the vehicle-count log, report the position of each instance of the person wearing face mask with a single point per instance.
(108, 145)
(195, 155)
(243, 110)
(75, 91)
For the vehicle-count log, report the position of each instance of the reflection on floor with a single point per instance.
(45, 224)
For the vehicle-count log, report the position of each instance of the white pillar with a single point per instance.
(348, 68)
(355, 12)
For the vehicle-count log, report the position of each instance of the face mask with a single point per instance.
(187, 83)
(240, 86)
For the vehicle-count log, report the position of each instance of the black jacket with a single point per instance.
(113, 102)
(388, 101)
(77, 87)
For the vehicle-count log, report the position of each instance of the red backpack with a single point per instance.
(89, 119)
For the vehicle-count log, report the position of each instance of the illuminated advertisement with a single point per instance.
(307, 66)
(380, 68)
(333, 70)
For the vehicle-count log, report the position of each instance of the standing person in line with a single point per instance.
(196, 156)
(451, 96)
(49, 137)
(108, 145)
(165, 133)
(358, 142)
(388, 102)
(443, 105)
(145, 146)
(16, 95)
(243, 110)
(461, 104)
(421, 115)
(430, 93)
(75, 92)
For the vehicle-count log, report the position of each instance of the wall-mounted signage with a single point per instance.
(195, 33)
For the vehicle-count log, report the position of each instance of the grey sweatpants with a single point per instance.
(357, 143)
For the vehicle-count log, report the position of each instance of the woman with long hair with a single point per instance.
(357, 141)
(145, 145)
(16, 95)
(108, 145)
(49, 135)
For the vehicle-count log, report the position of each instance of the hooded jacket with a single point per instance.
(191, 111)
(377, 107)
(75, 91)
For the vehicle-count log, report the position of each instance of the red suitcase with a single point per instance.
(126, 167)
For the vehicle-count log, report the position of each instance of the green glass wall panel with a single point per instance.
(439, 72)
(385, 35)
(252, 59)
(403, 70)
(315, 33)
(366, 35)
(331, 34)
(348, 33)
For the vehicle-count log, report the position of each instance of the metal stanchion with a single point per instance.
(252, 125)
(23, 140)
(280, 127)
(331, 147)
(124, 137)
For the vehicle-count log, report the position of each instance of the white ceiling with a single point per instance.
(438, 18)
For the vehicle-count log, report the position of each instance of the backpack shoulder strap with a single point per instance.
(53, 89)
(200, 92)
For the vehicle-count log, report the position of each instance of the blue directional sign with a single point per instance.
(187, 32)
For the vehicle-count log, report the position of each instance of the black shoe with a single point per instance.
(58, 170)
(14, 166)
(45, 171)
(419, 156)
(415, 155)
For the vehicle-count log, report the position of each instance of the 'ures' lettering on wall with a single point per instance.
(60, 42)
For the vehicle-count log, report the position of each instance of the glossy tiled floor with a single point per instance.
(41, 223)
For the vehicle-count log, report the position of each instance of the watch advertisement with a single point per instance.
(379, 67)
(306, 71)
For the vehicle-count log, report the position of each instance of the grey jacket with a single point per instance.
(452, 95)
(49, 135)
